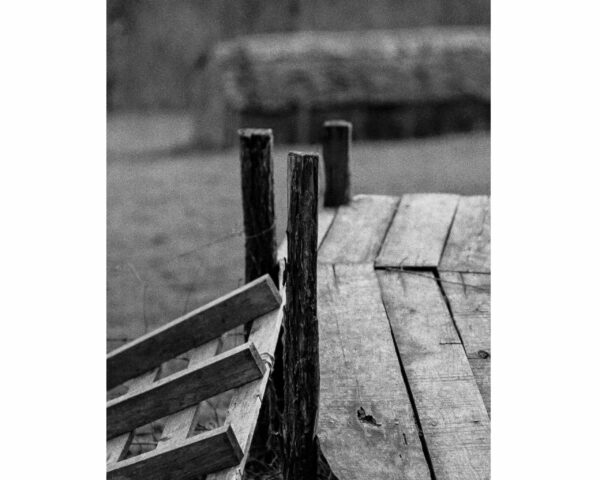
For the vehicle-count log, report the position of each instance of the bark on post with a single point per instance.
(337, 135)
(301, 331)
(258, 202)
(261, 254)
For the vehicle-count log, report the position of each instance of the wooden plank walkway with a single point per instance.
(404, 326)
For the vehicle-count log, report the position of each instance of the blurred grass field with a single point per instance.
(174, 220)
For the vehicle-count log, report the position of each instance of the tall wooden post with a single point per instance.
(256, 160)
(301, 330)
(337, 136)
(258, 202)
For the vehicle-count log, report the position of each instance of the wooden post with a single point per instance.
(258, 203)
(301, 330)
(337, 135)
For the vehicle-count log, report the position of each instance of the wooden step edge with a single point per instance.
(183, 389)
(197, 455)
(192, 330)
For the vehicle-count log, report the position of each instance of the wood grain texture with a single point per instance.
(418, 233)
(117, 447)
(247, 400)
(180, 425)
(326, 217)
(200, 454)
(361, 377)
(192, 330)
(301, 328)
(258, 203)
(469, 298)
(468, 246)
(358, 230)
(245, 405)
(453, 417)
(183, 389)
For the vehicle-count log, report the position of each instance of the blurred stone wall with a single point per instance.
(158, 50)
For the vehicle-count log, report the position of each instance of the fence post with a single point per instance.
(258, 203)
(337, 135)
(301, 330)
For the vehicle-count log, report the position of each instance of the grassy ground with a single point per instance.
(174, 221)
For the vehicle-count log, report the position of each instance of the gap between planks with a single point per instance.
(453, 416)
(366, 424)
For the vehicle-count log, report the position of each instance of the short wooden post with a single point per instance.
(258, 203)
(301, 330)
(337, 135)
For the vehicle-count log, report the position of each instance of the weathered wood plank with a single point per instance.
(358, 230)
(418, 233)
(326, 217)
(200, 454)
(449, 406)
(117, 447)
(366, 424)
(180, 425)
(183, 389)
(245, 405)
(469, 297)
(468, 246)
(192, 330)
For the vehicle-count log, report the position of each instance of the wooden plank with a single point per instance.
(192, 330)
(366, 424)
(358, 230)
(198, 455)
(452, 415)
(117, 447)
(468, 247)
(326, 217)
(469, 297)
(181, 424)
(245, 405)
(183, 389)
(419, 231)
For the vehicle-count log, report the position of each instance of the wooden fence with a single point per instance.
(278, 290)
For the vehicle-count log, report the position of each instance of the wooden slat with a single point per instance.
(183, 389)
(326, 217)
(245, 405)
(468, 246)
(419, 231)
(469, 297)
(358, 230)
(180, 425)
(244, 408)
(360, 373)
(117, 447)
(192, 330)
(453, 417)
(200, 454)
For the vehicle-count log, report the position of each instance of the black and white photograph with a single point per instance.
(298, 239)
(252, 239)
